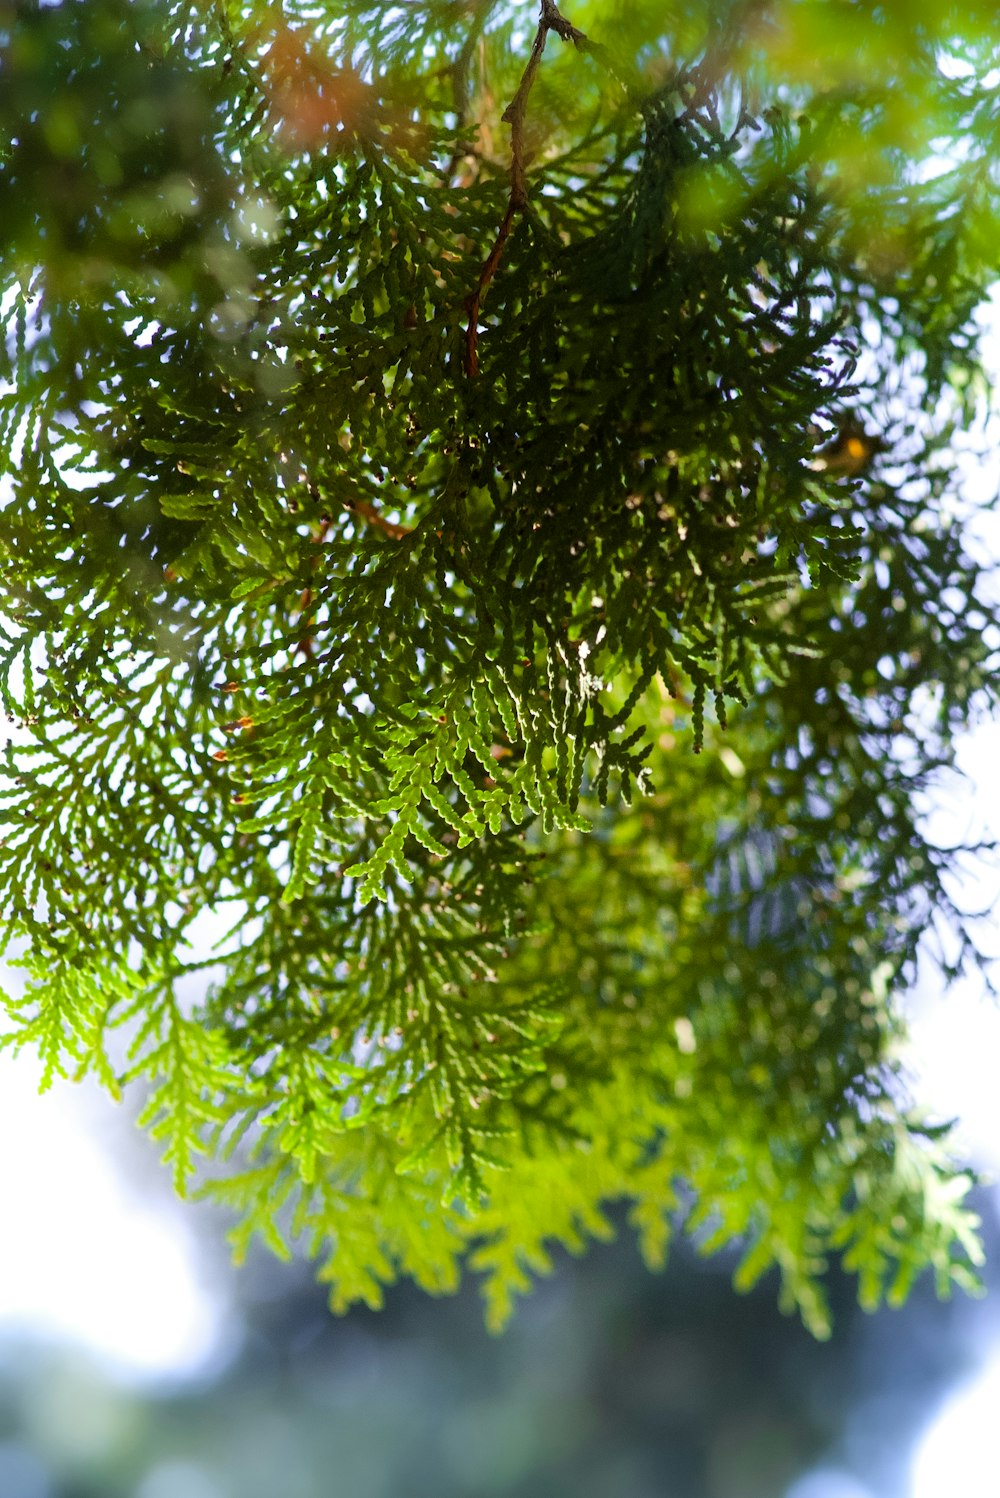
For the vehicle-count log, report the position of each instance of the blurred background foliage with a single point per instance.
(608, 1381)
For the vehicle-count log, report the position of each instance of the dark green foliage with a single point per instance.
(388, 525)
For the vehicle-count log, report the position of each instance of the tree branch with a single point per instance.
(550, 19)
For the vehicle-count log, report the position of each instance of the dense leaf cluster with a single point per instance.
(400, 488)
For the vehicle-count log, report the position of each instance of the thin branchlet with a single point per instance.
(514, 115)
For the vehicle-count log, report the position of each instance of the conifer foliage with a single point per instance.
(483, 608)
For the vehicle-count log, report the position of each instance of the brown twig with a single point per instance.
(305, 644)
(550, 19)
(368, 512)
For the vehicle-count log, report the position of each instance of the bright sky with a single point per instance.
(956, 1049)
(81, 1258)
(958, 1453)
(956, 1038)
